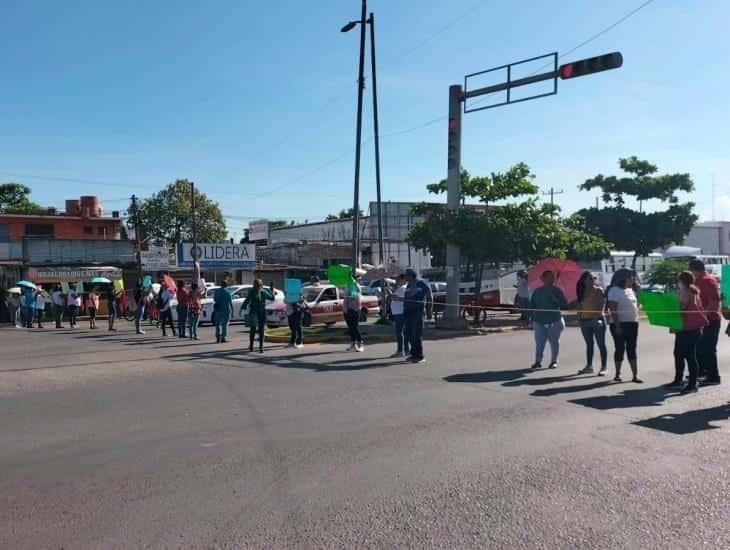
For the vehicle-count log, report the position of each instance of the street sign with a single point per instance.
(155, 258)
(258, 230)
(218, 256)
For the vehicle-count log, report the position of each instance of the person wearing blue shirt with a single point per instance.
(222, 308)
(28, 307)
(417, 300)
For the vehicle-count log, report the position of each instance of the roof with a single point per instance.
(60, 217)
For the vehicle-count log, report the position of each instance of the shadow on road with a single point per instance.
(487, 376)
(547, 392)
(688, 422)
(540, 381)
(645, 397)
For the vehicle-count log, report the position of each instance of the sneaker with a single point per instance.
(141, 332)
(359, 348)
(617, 378)
(602, 372)
(637, 380)
(553, 365)
(586, 370)
(261, 350)
(419, 360)
(688, 389)
(710, 382)
(536, 366)
(351, 348)
(397, 354)
(299, 346)
(224, 341)
(674, 384)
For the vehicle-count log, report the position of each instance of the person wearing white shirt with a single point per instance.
(396, 309)
(40, 307)
(72, 301)
(623, 309)
(59, 304)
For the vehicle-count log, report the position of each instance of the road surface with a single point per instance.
(120, 441)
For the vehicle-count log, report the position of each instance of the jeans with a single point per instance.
(685, 349)
(165, 318)
(625, 341)
(295, 326)
(707, 351)
(57, 315)
(414, 333)
(182, 320)
(550, 333)
(13, 315)
(39, 317)
(138, 317)
(403, 343)
(194, 319)
(594, 330)
(28, 313)
(352, 318)
(73, 312)
(221, 326)
(257, 324)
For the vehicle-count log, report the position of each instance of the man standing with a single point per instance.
(183, 304)
(40, 307)
(139, 302)
(396, 309)
(59, 304)
(222, 309)
(13, 304)
(707, 346)
(417, 299)
(28, 307)
(166, 296)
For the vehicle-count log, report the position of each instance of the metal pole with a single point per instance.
(193, 222)
(453, 254)
(358, 143)
(138, 240)
(377, 135)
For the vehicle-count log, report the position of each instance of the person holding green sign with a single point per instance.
(623, 309)
(256, 302)
(686, 340)
(707, 345)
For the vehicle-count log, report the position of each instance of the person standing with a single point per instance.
(592, 322)
(418, 302)
(112, 307)
(352, 306)
(256, 302)
(295, 316)
(222, 310)
(12, 301)
(140, 301)
(93, 307)
(709, 373)
(547, 319)
(687, 339)
(28, 307)
(166, 310)
(72, 302)
(623, 309)
(195, 307)
(397, 304)
(183, 303)
(40, 308)
(59, 305)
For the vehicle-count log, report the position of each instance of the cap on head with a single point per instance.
(697, 265)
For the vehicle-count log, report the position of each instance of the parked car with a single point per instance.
(325, 306)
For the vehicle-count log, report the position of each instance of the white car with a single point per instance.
(239, 294)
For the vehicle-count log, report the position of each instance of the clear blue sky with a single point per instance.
(255, 101)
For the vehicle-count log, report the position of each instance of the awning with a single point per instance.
(72, 274)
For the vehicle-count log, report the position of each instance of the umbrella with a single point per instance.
(26, 284)
(14, 290)
(621, 275)
(567, 273)
(100, 281)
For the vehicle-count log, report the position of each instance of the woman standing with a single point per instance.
(256, 301)
(591, 320)
(547, 320)
(73, 302)
(686, 340)
(112, 307)
(623, 309)
(165, 302)
(93, 307)
(194, 310)
(40, 307)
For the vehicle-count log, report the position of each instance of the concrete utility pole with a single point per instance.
(358, 143)
(453, 253)
(137, 237)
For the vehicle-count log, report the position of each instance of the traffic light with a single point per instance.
(591, 65)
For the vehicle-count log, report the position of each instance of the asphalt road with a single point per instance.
(119, 441)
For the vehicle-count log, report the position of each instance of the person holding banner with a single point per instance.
(686, 340)
(707, 345)
(623, 309)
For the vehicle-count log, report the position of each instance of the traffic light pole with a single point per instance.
(459, 96)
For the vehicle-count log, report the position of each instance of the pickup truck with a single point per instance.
(324, 306)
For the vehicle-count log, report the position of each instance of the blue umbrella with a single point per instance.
(26, 284)
(100, 281)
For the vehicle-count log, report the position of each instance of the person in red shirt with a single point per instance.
(183, 305)
(707, 346)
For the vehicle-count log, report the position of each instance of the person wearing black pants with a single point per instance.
(353, 305)
(623, 308)
(707, 346)
(295, 317)
(256, 302)
(417, 298)
(166, 310)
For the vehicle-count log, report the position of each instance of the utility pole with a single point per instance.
(376, 132)
(196, 266)
(453, 253)
(137, 237)
(552, 192)
(358, 143)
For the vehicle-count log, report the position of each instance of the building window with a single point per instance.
(101, 230)
(4, 233)
(88, 230)
(39, 230)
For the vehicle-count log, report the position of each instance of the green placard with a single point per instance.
(662, 308)
(339, 275)
(725, 285)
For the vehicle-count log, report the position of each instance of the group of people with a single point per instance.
(410, 302)
(695, 343)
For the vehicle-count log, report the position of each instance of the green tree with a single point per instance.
(343, 214)
(166, 216)
(14, 199)
(629, 229)
(665, 272)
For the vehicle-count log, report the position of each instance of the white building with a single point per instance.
(710, 237)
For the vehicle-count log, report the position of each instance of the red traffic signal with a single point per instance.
(591, 65)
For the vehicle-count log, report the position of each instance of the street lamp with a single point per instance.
(376, 132)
